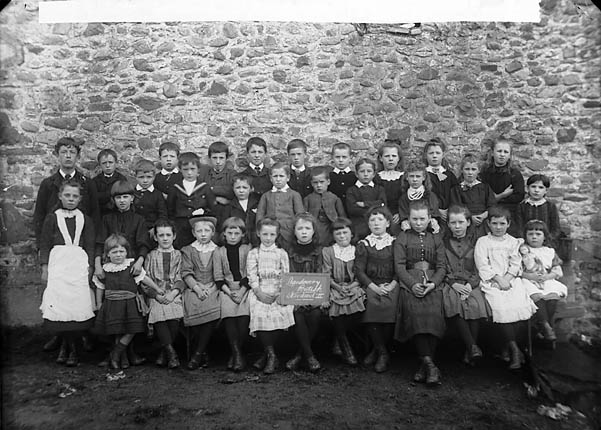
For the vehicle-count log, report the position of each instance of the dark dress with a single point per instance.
(150, 205)
(103, 190)
(393, 190)
(478, 198)
(443, 188)
(499, 178)
(377, 266)
(371, 196)
(546, 212)
(301, 181)
(419, 315)
(305, 259)
(128, 224)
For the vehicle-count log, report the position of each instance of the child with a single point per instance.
(300, 174)
(202, 303)
(347, 298)
(505, 180)
(390, 176)
(477, 196)
(541, 279)
(234, 286)
(163, 266)
(324, 205)
(463, 300)
(256, 148)
(244, 206)
(374, 269)
(169, 174)
(281, 202)
(148, 201)
(67, 255)
(122, 312)
(364, 195)
(420, 265)
(498, 262)
(265, 266)
(107, 159)
(536, 206)
(188, 198)
(341, 177)
(417, 187)
(305, 257)
(219, 175)
(441, 177)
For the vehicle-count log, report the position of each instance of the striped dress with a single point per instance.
(163, 267)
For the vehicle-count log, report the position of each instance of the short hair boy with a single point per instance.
(341, 176)
(169, 174)
(244, 205)
(219, 175)
(107, 160)
(148, 201)
(256, 149)
(300, 174)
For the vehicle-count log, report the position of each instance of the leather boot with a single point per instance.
(172, 358)
(313, 364)
(370, 358)
(54, 343)
(124, 359)
(73, 359)
(238, 364)
(432, 372)
(62, 352)
(347, 352)
(134, 359)
(261, 361)
(87, 344)
(548, 332)
(336, 348)
(272, 363)
(294, 363)
(194, 362)
(116, 354)
(161, 360)
(516, 356)
(230, 363)
(382, 361)
(420, 375)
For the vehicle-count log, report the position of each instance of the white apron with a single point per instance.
(67, 296)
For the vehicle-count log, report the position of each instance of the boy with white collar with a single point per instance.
(341, 177)
(107, 160)
(256, 149)
(300, 174)
(169, 174)
(148, 201)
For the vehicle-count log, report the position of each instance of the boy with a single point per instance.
(169, 174)
(281, 202)
(148, 201)
(187, 198)
(219, 176)
(244, 206)
(324, 205)
(107, 159)
(341, 177)
(300, 175)
(256, 148)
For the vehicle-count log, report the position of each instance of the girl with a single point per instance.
(477, 196)
(163, 267)
(364, 195)
(202, 304)
(390, 176)
(505, 180)
(374, 269)
(123, 309)
(417, 187)
(347, 298)
(420, 266)
(463, 300)
(498, 263)
(442, 178)
(536, 206)
(233, 282)
(305, 257)
(542, 283)
(265, 266)
(67, 255)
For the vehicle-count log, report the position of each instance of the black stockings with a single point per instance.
(166, 331)
(468, 330)
(306, 325)
(425, 344)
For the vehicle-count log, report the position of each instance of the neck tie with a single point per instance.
(258, 170)
(67, 177)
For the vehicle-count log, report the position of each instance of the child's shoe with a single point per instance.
(370, 358)
(260, 363)
(432, 372)
(172, 358)
(134, 358)
(548, 332)
(272, 363)
(517, 357)
(62, 353)
(420, 375)
(382, 362)
(294, 363)
(313, 364)
(161, 360)
(115, 357)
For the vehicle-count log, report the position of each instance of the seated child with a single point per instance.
(300, 174)
(417, 187)
(169, 174)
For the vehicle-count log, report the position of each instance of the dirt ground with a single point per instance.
(339, 397)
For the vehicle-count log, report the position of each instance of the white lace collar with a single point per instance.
(465, 186)
(536, 202)
(390, 175)
(204, 247)
(284, 189)
(112, 267)
(436, 170)
(379, 242)
(345, 254)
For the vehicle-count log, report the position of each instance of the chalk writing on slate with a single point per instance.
(305, 289)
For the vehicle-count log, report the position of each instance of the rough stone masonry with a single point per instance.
(132, 86)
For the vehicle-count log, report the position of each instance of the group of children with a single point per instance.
(406, 249)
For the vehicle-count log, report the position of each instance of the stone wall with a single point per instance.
(131, 86)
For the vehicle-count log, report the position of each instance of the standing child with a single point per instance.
(234, 286)
(281, 202)
(536, 206)
(121, 313)
(390, 176)
(219, 177)
(169, 174)
(420, 265)
(341, 176)
(324, 205)
(417, 188)
(163, 267)
(542, 282)
(202, 302)
(374, 269)
(148, 201)
(188, 198)
(244, 206)
(66, 256)
(498, 262)
(364, 195)
(477, 196)
(265, 266)
(441, 177)
(305, 257)
(300, 174)
(256, 148)
(505, 180)
(347, 298)
(107, 159)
